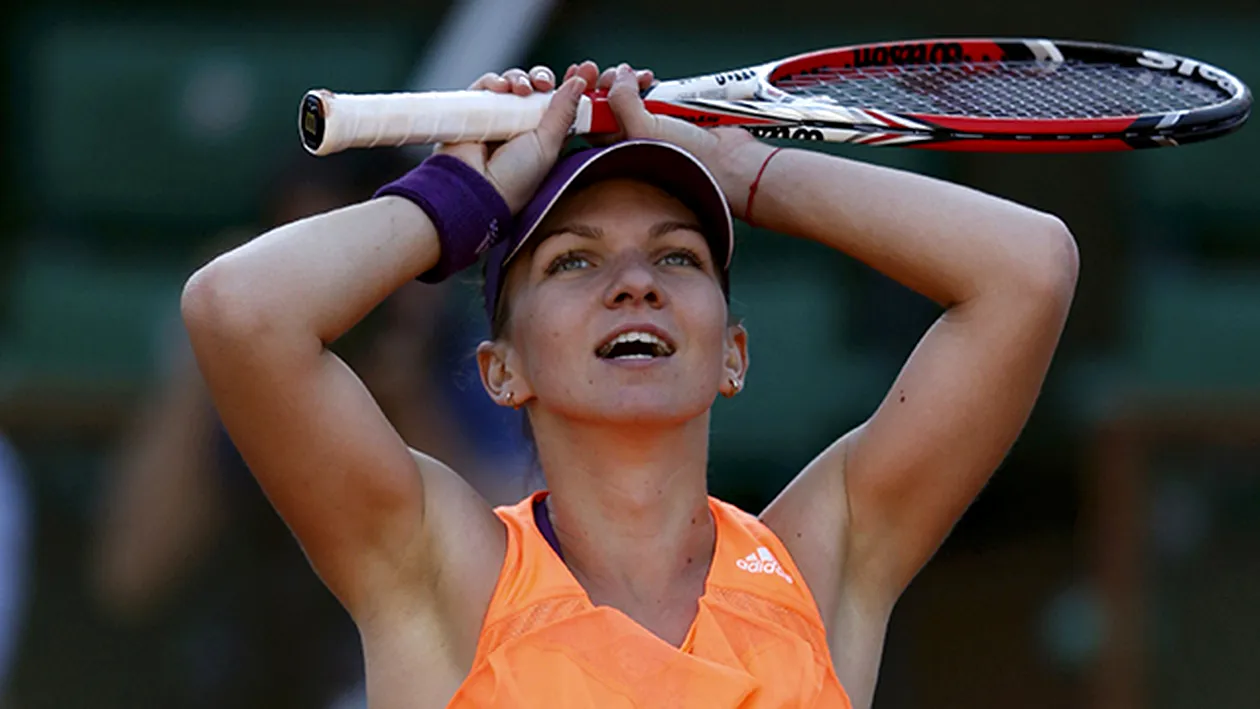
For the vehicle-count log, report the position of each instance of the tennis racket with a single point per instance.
(992, 95)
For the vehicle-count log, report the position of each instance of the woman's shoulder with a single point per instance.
(726, 513)
(532, 569)
(752, 558)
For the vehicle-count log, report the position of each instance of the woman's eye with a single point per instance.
(568, 262)
(681, 257)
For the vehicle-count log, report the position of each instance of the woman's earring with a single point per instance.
(511, 400)
(735, 387)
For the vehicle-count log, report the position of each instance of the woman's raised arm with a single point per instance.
(867, 513)
(260, 319)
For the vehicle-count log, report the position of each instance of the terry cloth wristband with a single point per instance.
(469, 214)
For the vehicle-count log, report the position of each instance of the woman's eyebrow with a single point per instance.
(593, 232)
(583, 230)
(662, 228)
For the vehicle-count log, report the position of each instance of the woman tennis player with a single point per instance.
(625, 584)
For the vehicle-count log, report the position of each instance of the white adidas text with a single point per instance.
(763, 562)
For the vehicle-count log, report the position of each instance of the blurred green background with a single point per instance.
(1113, 561)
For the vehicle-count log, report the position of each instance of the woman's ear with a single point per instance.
(498, 375)
(735, 362)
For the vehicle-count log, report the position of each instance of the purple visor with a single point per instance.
(664, 165)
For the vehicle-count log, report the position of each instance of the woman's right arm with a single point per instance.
(260, 319)
(367, 510)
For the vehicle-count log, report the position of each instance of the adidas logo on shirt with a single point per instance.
(763, 562)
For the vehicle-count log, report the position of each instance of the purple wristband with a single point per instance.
(469, 214)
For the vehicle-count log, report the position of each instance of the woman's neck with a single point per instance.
(630, 507)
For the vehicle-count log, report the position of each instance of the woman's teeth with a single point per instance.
(635, 344)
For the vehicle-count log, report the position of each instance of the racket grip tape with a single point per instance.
(331, 122)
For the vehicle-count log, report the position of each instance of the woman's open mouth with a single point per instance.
(636, 344)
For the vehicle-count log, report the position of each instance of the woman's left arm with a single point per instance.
(868, 513)
(874, 507)
(864, 516)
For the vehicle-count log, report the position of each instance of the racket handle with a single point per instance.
(331, 122)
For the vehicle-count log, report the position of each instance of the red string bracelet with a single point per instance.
(752, 189)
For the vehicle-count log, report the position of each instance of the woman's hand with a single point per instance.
(518, 166)
(731, 154)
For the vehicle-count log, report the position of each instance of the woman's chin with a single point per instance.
(646, 406)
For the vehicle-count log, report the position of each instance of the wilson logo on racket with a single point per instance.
(734, 76)
(916, 53)
(785, 132)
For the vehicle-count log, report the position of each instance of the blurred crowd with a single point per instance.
(1111, 561)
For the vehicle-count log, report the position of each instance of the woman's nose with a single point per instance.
(634, 281)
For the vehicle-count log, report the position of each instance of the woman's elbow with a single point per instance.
(214, 302)
(1053, 263)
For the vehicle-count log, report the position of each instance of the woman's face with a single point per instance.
(617, 315)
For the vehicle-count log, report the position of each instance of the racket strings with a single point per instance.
(1031, 90)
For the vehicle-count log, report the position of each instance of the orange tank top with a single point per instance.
(757, 642)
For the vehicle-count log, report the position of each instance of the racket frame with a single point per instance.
(749, 98)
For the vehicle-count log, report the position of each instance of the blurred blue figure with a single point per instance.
(15, 532)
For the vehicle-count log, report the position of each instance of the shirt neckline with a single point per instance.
(542, 527)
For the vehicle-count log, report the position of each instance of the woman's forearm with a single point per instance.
(323, 274)
(948, 242)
